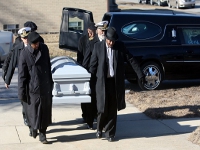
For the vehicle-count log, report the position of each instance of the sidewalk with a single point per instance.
(134, 131)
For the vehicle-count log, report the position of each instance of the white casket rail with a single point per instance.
(71, 81)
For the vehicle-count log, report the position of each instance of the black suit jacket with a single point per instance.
(88, 52)
(98, 66)
(82, 48)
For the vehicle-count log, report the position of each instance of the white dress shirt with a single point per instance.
(110, 61)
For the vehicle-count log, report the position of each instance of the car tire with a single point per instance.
(132, 81)
(153, 76)
(139, 1)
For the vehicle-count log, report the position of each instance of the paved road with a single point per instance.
(195, 10)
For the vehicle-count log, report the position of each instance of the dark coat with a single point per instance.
(86, 63)
(35, 82)
(14, 56)
(82, 48)
(5, 72)
(98, 66)
(88, 52)
(10, 62)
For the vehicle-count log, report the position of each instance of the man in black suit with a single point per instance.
(107, 63)
(80, 56)
(91, 109)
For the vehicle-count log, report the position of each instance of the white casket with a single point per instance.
(71, 81)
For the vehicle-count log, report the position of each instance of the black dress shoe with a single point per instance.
(25, 122)
(44, 141)
(90, 127)
(99, 134)
(34, 133)
(30, 133)
(110, 139)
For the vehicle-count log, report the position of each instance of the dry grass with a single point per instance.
(168, 103)
(51, 40)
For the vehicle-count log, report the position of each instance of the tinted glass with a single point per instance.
(191, 35)
(76, 24)
(141, 30)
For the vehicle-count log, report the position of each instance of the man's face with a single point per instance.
(35, 45)
(101, 34)
(91, 33)
(24, 39)
(110, 43)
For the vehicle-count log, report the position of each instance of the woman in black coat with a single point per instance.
(110, 90)
(35, 82)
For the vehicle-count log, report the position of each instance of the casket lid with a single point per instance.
(67, 67)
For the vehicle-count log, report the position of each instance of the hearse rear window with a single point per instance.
(191, 35)
(141, 30)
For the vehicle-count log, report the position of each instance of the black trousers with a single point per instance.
(42, 134)
(108, 119)
(90, 109)
(24, 114)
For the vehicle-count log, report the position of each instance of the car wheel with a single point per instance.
(139, 1)
(146, 1)
(153, 76)
(151, 2)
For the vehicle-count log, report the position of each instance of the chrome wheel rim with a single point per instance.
(153, 77)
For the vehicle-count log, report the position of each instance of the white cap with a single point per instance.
(23, 32)
(103, 25)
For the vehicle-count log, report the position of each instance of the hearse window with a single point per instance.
(191, 36)
(75, 25)
(141, 30)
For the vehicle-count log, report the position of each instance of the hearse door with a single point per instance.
(74, 24)
(174, 58)
(191, 45)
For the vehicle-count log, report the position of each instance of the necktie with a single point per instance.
(110, 60)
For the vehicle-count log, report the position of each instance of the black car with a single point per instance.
(165, 43)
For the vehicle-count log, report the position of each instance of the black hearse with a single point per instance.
(165, 43)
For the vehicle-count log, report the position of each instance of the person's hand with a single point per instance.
(7, 86)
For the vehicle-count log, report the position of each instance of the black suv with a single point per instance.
(165, 43)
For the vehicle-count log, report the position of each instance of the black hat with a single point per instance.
(30, 24)
(33, 37)
(91, 26)
(111, 34)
